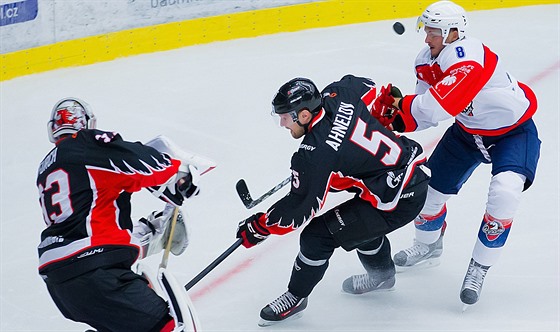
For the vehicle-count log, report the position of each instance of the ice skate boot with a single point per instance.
(364, 283)
(472, 284)
(420, 255)
(286, 306)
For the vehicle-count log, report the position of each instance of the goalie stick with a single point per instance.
(167, 249)
(248, 201)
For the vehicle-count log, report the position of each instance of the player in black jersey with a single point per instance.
(85, 183)
(344, 148)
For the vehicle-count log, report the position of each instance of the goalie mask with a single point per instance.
(444, 15)
(69, 115)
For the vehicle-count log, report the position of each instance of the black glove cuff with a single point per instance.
(398, 123)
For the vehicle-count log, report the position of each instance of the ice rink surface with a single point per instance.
(214, 100)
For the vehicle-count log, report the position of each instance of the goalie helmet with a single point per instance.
(296, 95)
(444, 15)
(68, 116)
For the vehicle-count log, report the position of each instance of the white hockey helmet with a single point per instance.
(68, 116)
(444, 15)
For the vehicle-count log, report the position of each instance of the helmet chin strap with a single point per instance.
(304, 126)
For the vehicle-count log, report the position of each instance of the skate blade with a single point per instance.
(377, 290)
(429, 263)
(466, 306)
(265, 323)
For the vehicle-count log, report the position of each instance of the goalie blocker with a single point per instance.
(153, 232)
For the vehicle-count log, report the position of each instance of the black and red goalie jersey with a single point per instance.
(85, 184)
(346, 148)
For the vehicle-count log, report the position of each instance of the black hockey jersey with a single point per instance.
(85, 184)
(345, 148)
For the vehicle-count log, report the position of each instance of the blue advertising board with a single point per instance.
(17, 12)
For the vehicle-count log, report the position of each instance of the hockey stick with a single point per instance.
(165, 257)
(246, 198)
(215, 263)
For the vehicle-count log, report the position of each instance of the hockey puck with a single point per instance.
(398, 27)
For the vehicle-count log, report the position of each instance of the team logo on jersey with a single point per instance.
(448, 80)
(448, 83)
(394, 180)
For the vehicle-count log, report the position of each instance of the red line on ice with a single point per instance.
(540, 76)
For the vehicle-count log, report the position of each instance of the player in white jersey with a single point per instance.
(458, 76)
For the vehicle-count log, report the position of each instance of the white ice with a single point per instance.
(215, 100)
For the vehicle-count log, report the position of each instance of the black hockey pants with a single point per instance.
(355, 224)
(111, 299)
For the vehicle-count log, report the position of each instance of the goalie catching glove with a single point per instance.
(253, 230)
(181, 186)
(383, 108)
(153, 232)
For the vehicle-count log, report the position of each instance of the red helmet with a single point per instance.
(69, 115)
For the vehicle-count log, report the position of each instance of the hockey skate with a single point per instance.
(286, 306)
(472, 284)
(419, 256)
(364, 283)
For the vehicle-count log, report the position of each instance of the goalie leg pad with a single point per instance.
(180, 305)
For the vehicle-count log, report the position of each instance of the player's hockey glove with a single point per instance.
(383, 109)
(252, 230)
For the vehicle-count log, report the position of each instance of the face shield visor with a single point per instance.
(284, 120)
(435, 31)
